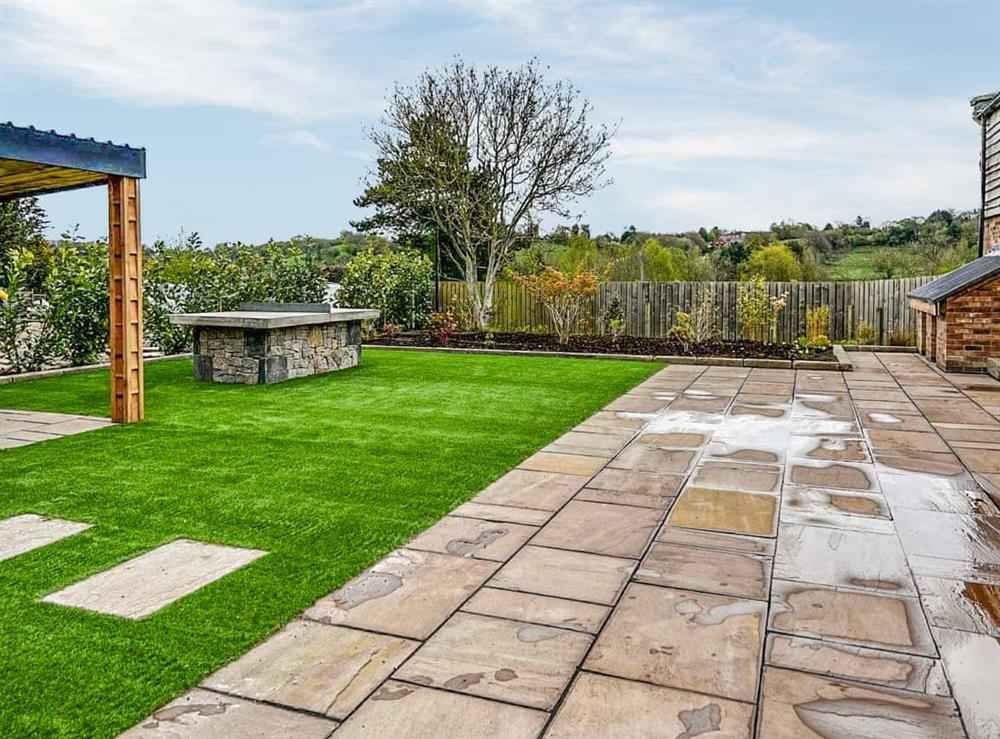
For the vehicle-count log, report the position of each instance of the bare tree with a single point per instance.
(478, 155)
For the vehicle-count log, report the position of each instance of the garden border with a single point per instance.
(56, 371)
(843, 364)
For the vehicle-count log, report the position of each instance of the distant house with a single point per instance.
(728, 239)
(986, 112)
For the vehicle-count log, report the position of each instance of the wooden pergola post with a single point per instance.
(125, 253)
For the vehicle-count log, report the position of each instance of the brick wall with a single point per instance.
(991, 235)
(968, 328)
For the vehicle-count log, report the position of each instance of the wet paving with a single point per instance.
(727, 552)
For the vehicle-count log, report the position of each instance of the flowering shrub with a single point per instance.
(396, 283)
(758, 312)
(444, 325)
(563, 295)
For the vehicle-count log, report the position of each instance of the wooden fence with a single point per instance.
(650, 307)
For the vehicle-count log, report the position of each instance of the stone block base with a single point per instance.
(265, 356)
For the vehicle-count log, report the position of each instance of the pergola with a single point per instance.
(36, 162)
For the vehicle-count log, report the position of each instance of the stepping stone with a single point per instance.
(796, 705)
(893, 623)
(706, 570)
(405, 710)
(727, 511)
(20, 534)
(409, 593)
(510, 661)
(314, 667)
(600, 528)
(842, 559)
(891, 669)
(610, 708)
(531, 489)
(957, 604)
(142, 586)
(693, 641)
(566, 464)
(654, 459)
(972, 662)
(537, 609)
(202, 714)
(577, 575)
(757, 478)
(469, 537)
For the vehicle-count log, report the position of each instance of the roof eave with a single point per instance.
(983, 105)
(57, 150)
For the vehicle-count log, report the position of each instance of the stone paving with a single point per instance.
(20, 428)
(725, 552)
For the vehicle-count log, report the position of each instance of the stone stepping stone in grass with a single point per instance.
(142, 586)
(20, 534)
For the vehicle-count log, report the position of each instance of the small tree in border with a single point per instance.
(564, 296)
(758, 312)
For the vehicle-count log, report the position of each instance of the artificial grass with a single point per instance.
(327, 474)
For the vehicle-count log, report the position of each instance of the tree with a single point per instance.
(775, 263)
(479, 155)
(22, 226)
(889, 262)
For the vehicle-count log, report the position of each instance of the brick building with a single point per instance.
(986, 112)
(958, 325)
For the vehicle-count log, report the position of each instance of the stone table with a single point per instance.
(264, 343)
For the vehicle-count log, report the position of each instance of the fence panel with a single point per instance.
(649, 308)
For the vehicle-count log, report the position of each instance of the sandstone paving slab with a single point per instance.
(953, 411)
(963, 432)
(758, 451)
(777, 389)
(693, 641)
(141, 586)
(29, 436)
(934, 464)
(835, 448)
(601, 528)
(502, 513)
(832, 501)
(823, 406)
(972, 662)
(469, 537)
(77, 426)
(531, 489)
(805, 426)
(409, 593)
(706, 570)
(883, 419)
(892, 622)
(716, 540)
(654, 459)
(949, 535)
(958, 604)
(891, 669)
(651, 487)
(726, 511)
(202, 714)
(980, 460)
(604, 420)
(883, 440)
(512, 661)
(705, 404)
(538, 609)
(769, 410)
(314, 667)
(935, 493)
(20, 534)
(596, 578)
(888, 406)
(611, 708)
(7, 442)
(834, 520)
(405, 710)
(637, 404)
(678, 439)
(566, 464)
(756, 478)
(884, 394)
(842, 559)
(954, 569)
(840, 475)
(622, 497)
(795, 705)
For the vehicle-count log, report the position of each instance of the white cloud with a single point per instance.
(234, 54)
(301, 138)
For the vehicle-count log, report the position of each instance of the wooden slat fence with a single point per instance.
(650, 307)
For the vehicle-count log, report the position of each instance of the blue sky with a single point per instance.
(254, 114)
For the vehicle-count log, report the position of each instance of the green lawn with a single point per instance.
(327, 474)
(854, 264)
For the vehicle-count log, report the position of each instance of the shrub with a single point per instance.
(817, 321)
(396, 283)
(758, 312)
(27, 342)
(443, 326)
(775, 263)
(77, 292)
(564, 295)
(614, 318)
(866, 334)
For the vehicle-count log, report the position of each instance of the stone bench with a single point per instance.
(264, 343)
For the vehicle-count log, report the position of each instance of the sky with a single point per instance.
(255, 116)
